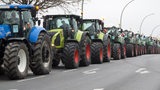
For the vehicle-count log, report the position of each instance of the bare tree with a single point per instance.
(45, 4)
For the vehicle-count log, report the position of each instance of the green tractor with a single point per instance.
(149, 45)
(117, 42)
(101, 46)
(22, 44)
(72, 45)
(130, 43)
(138, 45)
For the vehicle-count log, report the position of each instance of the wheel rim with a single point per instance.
(88, 52)
(45, 54)
(76, 56)
(109, 50)
(22, 60)
(101, 54)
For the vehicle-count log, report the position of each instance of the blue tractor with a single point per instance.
(22, 44)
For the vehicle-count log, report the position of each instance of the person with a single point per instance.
(14, 19)
(65, 27)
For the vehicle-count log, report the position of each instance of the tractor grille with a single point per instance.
(57, 41)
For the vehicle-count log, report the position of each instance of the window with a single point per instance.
(27, 19)
(9, 17)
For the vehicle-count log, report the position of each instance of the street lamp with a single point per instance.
(140, 28)
(82, 9)
(120, 24)
(154, 29)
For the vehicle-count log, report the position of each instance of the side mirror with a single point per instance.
(39, 22)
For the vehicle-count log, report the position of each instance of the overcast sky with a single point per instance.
(110, 10)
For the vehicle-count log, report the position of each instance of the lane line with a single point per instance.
(70, 70)
(12, 89)
(144, 72)
(140, 70)
(31, 79)
(92, 71)
(99, 89)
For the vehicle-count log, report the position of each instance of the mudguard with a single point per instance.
(101, 35)
(34, 33)
(60, 33)
(78, 35)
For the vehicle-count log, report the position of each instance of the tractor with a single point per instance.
(101, 46)
(149, 45)
(72, 46)
(117, 42)
(130, 43)
(22, 44)
(139, 43)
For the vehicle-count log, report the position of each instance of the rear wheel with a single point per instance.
(97, 53)
(135, 50)
(16, 59)
(116, 51)
(130, 50)
(149, 50)
(107, 51)
(85, 51)
(123, 51)
(42, 62)
(70, 55)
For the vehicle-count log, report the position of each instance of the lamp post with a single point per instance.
(120, 24)
(140, 28)
(82, 9)
(154, 29)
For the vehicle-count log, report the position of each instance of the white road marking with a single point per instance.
(99, 89)
(70, 70)
(92, 71)
(12, 89)
(31, 79)
(141, 69)
(144, 72)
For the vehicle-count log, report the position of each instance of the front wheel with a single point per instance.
(70, 55)
(16, 59)
(116, 51)
(107, 51)
(42, 62)
(85, 51)
(97, 53)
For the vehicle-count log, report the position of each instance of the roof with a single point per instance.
(14, 6)
(64, 15)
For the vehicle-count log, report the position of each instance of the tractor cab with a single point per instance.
(93, 26)
(16, 20)
(67, 23)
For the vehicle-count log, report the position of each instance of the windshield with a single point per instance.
(88, 26)
(58, 22)
(9, 17)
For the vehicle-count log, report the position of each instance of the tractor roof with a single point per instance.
(64, 15)
(16, 6)
(92, 20)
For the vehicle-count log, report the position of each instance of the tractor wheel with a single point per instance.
(85, 51)
(16, 58)
(149, 50)
(107, 51)
(130, 50)
(116, 51)
(97, 53)
(42, 62)
(135, 50)
(123, 51)
(71, 56)
(1, 70)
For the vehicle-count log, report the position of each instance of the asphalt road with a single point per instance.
(138, 73)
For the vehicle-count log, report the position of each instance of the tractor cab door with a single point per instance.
(27, 22)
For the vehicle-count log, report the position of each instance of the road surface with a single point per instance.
(137, 73)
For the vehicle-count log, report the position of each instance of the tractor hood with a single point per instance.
(5, 31)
